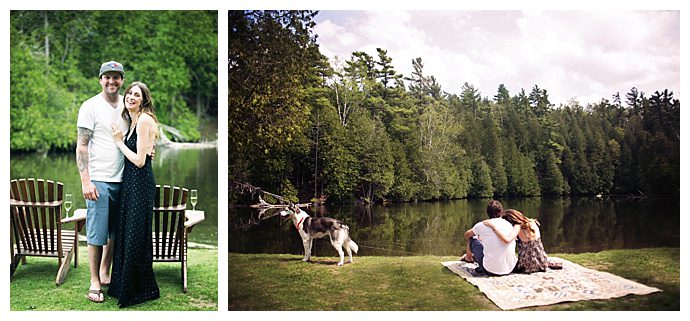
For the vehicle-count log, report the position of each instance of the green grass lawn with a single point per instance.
(33, 286)
(284, 282)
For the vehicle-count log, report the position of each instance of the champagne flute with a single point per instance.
(68, 203)
(193, 199)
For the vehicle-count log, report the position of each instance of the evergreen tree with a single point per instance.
(480, 185)
(551, 178)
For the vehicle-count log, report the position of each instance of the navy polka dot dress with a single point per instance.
(132, 280)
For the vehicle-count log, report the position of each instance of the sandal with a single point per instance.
(98, 292)
(464, 258)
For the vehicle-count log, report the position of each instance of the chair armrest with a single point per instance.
(79, 215)
(170, 208)
(193, 217)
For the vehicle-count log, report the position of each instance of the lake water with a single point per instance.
(568, 225)
(192, 168)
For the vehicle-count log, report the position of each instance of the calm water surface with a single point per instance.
(568, 225)
(193, 168)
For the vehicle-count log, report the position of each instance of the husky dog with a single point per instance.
(311, 228)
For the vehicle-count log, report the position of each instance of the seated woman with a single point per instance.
(531, 255)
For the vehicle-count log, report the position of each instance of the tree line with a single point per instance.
(358, 130)
(55, 58)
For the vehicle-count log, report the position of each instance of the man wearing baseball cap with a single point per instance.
(100, 164)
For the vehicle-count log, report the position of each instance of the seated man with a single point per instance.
(494, 256)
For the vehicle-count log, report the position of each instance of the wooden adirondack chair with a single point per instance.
(37, 225)
(171, 227)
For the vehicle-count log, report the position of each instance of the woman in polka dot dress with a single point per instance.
(133, 280)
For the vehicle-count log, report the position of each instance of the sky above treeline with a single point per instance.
(575, 55)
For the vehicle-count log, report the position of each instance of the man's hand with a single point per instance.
(153, 152)
(89, 191)
(469, 257)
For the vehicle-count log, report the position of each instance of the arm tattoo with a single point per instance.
(83, 139)
(84, 136)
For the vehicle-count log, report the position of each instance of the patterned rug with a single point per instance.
(572, 283)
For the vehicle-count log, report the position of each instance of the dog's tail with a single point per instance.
(353, 246)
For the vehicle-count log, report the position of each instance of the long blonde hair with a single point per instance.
(517, 218)
(146, 104)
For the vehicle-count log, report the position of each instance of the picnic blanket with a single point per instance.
(572, 283)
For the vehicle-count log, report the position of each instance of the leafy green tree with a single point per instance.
(66, 48)
(373, 150)
(340, 165)
(439, 155)
(272, 54)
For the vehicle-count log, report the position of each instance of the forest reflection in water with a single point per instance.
(568, 225)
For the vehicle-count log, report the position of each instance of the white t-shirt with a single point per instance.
(499, 257)
(106, 162)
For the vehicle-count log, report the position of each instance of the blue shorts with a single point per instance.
(101, 215)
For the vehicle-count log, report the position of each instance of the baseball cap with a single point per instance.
(112, 66)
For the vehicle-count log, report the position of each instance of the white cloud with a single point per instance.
(586, 55)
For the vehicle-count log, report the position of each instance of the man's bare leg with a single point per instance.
(95, 253)
(106, 261)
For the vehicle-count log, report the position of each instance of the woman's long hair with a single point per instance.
(516, 218)
(145, 107)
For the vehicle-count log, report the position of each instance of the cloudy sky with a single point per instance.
(581, 55)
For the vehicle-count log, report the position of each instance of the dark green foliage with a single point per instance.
(481, 179)
(551, 178)
(520, 169)
(356, 132)
(272, 58)
(55, 56)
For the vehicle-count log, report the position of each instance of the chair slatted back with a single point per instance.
(36, 208)
(168, 223)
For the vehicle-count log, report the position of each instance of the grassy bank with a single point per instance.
(284, 282)
(33, 286)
